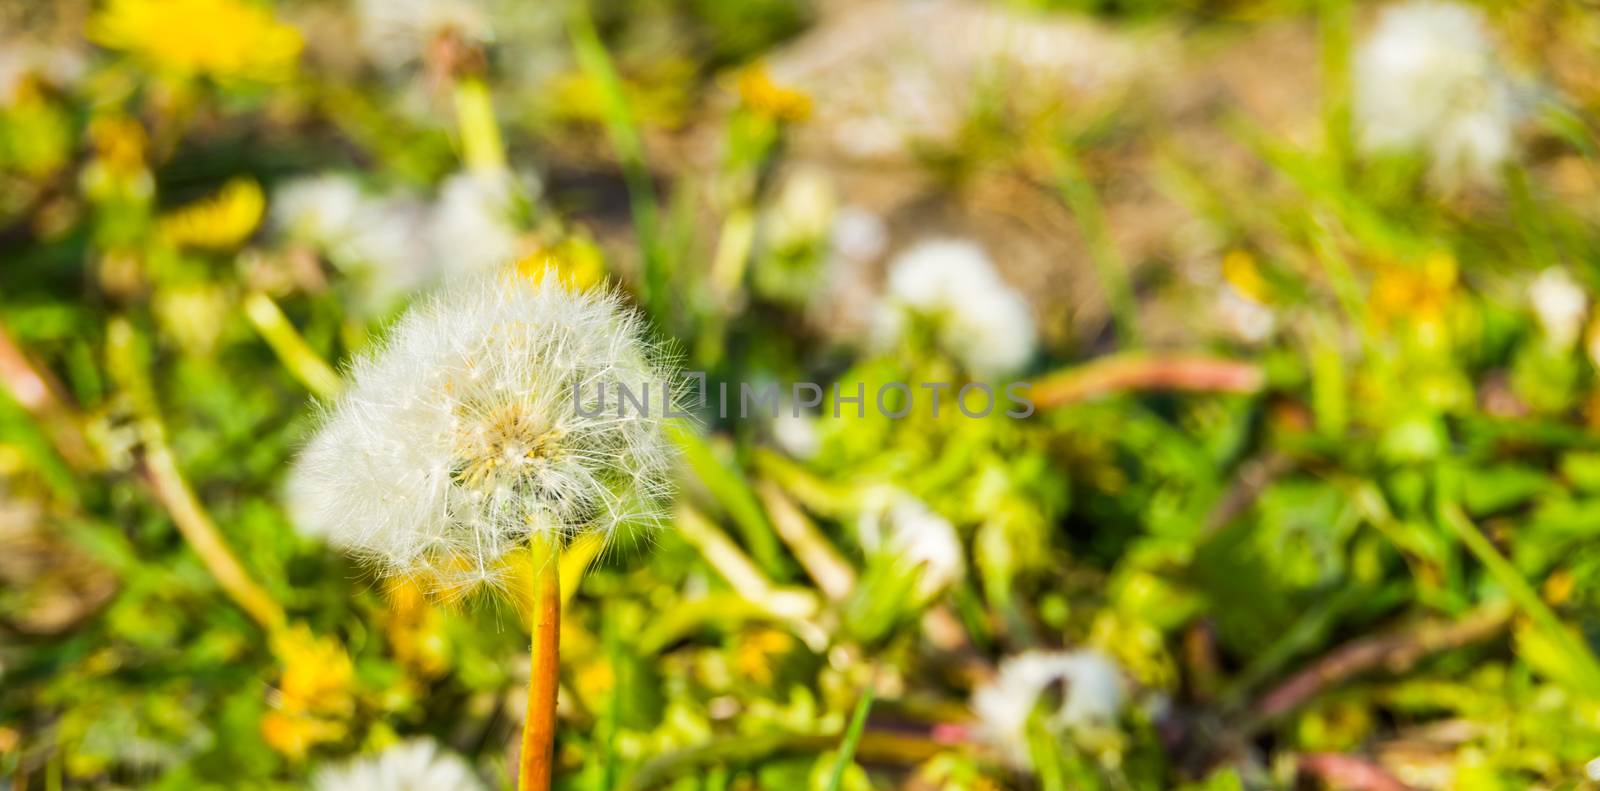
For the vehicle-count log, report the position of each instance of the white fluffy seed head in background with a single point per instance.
(473, 228)
(397, 32)
(916, 534)
(1560, 305)
(1092, 687)
(980, 319)
(1428, 79)
(461, 437)
(415, 765)
(377, 241)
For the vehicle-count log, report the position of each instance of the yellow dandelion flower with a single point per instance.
(1240, 270)
(415, 629)
(760, 93)
(119, 143)
(1420, 294)
(317, 673)
(576, 260)
(293, 734)
(756, 652)
(314, 692)
(224, 39)
(220, 222)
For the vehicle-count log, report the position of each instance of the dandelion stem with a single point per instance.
(481, 146)
(539, 729)
(621, 127)
(297, 355)
(160, 469)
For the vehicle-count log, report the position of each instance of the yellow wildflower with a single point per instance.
(577, 261)
(119, 143)
(224, 39)
(293, 734)
(415, 629)
(316, 671)
(760, 93)
(756, 652)
(1418, 294)
(1240, 270)
(219, 222)
(314, 692)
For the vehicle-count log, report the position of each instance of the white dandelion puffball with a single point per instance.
(1092, 687)
(473, 228)
(417, 765)
(490, 416)
(1243, 317)
(980, 319)
(397, 32)
(378, 242)
(918, 535)
(1560, 305)
(858, 235)
(1428, 78)
(796, 433)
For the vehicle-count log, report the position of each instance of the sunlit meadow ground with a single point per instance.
(1301, 292)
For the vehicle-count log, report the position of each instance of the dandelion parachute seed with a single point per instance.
(980, 319)
(1429, 79)
(479, 427)
(1093, 694)
(418, 763)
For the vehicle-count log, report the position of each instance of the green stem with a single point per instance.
(1111, 270)
(481, 146)
(852, 737)
(1520, 592)
(126, 360)
(297, 356)
(626, 141)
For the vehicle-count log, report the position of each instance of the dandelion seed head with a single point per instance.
(482, 423)
(473, 228)
(1560, 305)
(980, 319)
(375, 240)
(1093, 692)
(416, 764)
(1428, 79)
(907, 528)
(1243, 317)
(397, 32)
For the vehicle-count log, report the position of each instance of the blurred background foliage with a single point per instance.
(1308, 499)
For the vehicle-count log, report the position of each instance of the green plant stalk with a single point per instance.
(1334, 29)
(482, 148)
(296, 355)
(1519, 591)
(738, 570)
(596, 64)
(852, 738)
(1343, 280)
(128, 365)
(833, 574)
(732, 491)
(1046, 755)
(38, 396)
(1111, 270)
(737, 238)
